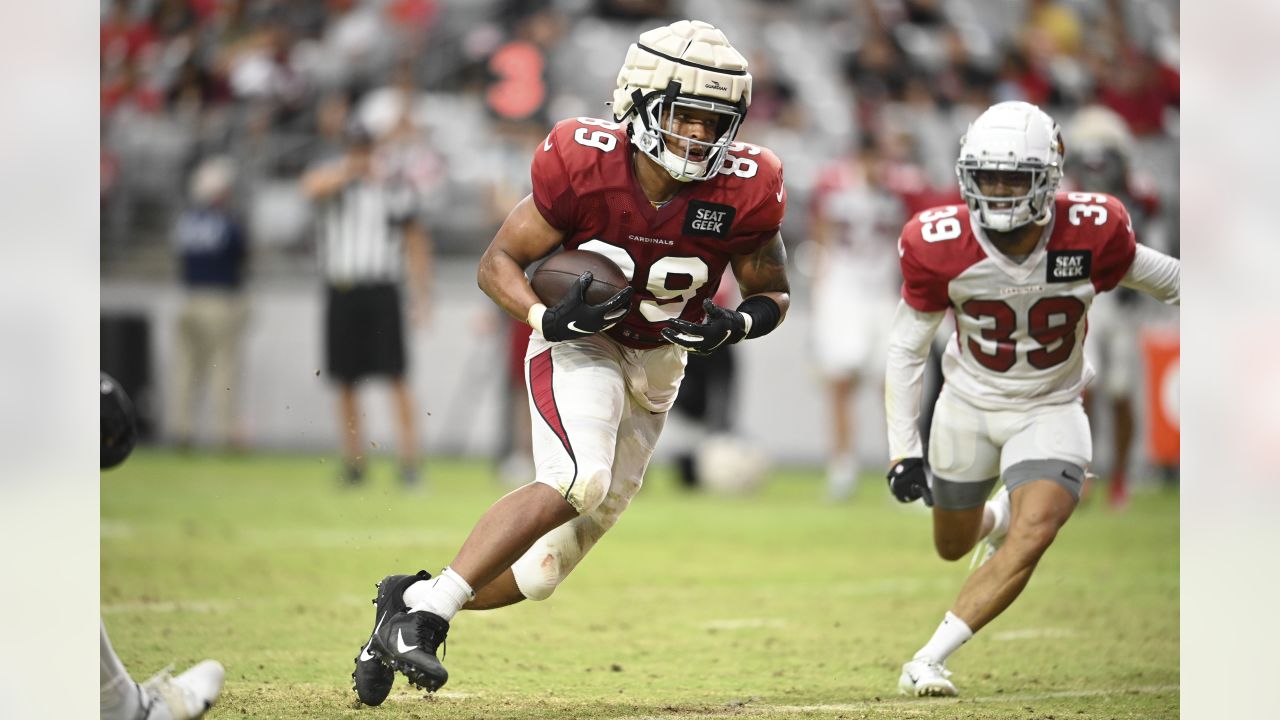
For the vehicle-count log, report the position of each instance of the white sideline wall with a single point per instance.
(457, 371)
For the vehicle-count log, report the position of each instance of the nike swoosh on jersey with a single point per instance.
(901, 250)
(573, 325)
(400, 645)
(546, 144)
(779, 196)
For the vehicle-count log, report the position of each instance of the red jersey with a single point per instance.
(674, 255)
(1020, 327)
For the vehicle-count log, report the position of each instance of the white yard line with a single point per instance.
(921, 704)
(1047, 633)
(165, 606)
(743, 623)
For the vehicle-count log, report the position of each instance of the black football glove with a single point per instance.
(721, 327)
(573, 317)
(908, 483)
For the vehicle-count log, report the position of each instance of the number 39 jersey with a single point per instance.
(674, 255)
(1020, 327)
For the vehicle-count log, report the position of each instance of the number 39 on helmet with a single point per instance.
(1011, 137)
(688, 64)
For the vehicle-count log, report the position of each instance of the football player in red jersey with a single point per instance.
(665, 192)
(1018, 265)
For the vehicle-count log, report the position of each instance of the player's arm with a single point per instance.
(325, 180)
(766, 293)
(763, 274)
(909, 341)
(419, 255)
(1155, 274)
(525, 237)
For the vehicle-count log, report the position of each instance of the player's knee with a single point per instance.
(538, 586)
(1034, 535)
(592, 485)
(541, 570)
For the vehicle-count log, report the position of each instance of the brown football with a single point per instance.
(553, 278)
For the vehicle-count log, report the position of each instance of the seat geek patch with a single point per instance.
(1068, 265)
(706, 219)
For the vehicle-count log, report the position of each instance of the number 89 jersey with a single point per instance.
(674, 255)
(1020, 327)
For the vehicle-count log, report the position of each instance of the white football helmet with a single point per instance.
(687, 64)
(1011, 137)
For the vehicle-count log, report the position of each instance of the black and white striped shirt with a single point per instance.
(361, 232)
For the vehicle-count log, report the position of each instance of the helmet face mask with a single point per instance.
(1010, 166)
(683, 74)
(656, 131)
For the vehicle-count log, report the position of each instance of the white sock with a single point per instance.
(443, 595)
(842, 475)
(950, 635)
(120, 698)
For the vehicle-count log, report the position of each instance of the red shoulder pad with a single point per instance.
(751, 179)
(1100, 223)
(568, 162)
(935, 246)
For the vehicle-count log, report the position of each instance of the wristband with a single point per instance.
(762, 314)
(534, 318)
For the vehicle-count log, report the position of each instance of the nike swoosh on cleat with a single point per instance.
(365, 655)
(400, 646)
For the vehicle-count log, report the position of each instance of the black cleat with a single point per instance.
(408, 642)
(372, 679)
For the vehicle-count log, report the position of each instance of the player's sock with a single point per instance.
(1118, 491)
(444, 594)
(950, 635)
(842, 476)
(120, 698)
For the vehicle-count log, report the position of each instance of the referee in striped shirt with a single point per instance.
(369, 231)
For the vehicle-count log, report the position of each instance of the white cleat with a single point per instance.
(185, 697)
(992, 542)
(924, 678)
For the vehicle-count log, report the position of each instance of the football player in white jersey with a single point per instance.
(1018, 265)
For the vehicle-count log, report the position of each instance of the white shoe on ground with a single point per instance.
(185, 697)
(924, 678)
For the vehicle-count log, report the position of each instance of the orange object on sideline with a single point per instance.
(1160, 352)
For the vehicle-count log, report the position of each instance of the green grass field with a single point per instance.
(776, 605)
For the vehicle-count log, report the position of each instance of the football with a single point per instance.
(556, 275)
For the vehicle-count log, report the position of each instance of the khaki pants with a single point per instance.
(210, 330)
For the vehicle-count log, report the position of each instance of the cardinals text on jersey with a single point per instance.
(675, 254)
(1020, 326)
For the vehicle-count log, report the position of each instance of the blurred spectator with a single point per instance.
(272, 82)
(210, 241)
(633, 10)
(855, 221)
(507, 163)
(369, 231)
(707, 398)
(1100, 159)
